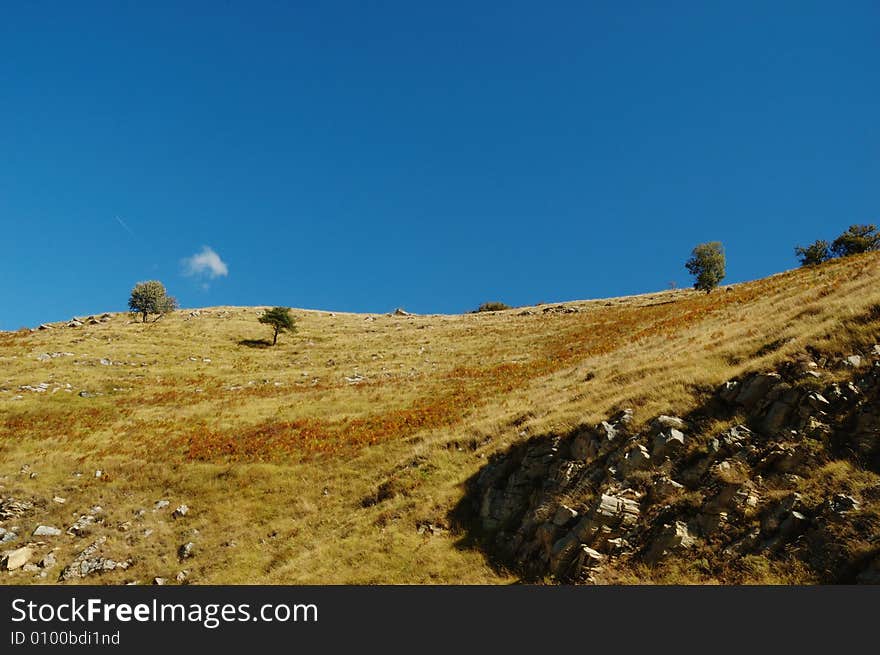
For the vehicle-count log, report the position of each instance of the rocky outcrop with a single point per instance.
(604, 496)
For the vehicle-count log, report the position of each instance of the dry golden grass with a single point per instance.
(317, 461)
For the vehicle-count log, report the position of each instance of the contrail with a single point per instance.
(127, 229)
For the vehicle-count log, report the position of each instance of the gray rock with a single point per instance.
(729, 390)
(186, 550)
(89, 562)
(673, 537)
(843, 504)
(589, 559)
(664, 422)
(46, 531)
(82, 526)
(756, 388)
(853, 361)
(668, 441)
(636, 460)
(161, 504)
(48, 561)
(11, 508)
(180, 512)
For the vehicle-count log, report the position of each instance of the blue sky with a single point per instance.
(364, 156)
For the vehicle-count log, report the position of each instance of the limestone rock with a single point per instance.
(186, 550)
(46, 531)
(89, 562)
(16, 559)
(668, 441)
(673, 537)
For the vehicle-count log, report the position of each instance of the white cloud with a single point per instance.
(205, 263)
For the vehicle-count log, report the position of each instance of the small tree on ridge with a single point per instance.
(151, 298)
(857, 239)
(280, 320)
(707, 265)
(814, 254)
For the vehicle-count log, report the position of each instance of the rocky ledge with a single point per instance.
(741, 475)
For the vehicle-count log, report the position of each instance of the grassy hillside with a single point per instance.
(337, 455)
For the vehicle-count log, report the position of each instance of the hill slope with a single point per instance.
(340, 455)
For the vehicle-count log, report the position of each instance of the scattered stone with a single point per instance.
(589, 559)
(843, 504)
(668, 441)
(11, 508)
(853, 361)
(17, 558)
(756, 388)
(636, 459)
(180, 512)
(664, 422)
(673, 537)
(161, 504)
(182, 576)
(86, 394)
(82, 526)
(159, 581)
(59, 500)
(186, 550)
(7, 536)
(89, 562)
(48, 561)
(46, 531)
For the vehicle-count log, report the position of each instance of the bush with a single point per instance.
(151, 298)
(494, 306)
(707, 265)
(857, 239)
(816, 253)
(280, 320)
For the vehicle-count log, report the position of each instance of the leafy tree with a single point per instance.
(707, 264)
(857, 239)
(816, 253)
(280, 319)
(492, 306)
(151, 298)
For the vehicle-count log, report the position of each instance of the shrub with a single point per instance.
(493, 306)
(857, 239)
(816, 253)
(151, 298)
(707, 265)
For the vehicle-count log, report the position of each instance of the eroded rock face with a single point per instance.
(606, 495)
